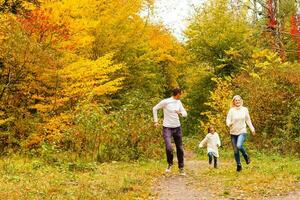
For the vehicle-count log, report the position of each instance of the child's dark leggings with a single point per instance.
(211, 157)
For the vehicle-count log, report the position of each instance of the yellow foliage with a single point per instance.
(86, 77)
(260, 61)
(4, 121)
(28, 5)
(219, 104)
(33, 141)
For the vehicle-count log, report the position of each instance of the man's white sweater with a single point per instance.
(170, 106)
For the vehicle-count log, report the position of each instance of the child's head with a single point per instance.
(211, 129)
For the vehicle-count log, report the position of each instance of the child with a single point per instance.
(212, 141)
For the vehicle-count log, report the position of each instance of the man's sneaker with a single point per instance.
(168, 170)
(239, 168)
(247, 159)
(181, 172)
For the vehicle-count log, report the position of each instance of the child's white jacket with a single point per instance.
(212, 141)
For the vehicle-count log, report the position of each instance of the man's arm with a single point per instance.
(156, 108)
(182, 111)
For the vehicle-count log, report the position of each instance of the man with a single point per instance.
(172, 108)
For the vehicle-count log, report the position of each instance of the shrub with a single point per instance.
(272, 96)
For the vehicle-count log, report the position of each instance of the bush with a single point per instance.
(272, 96)
(127, 134)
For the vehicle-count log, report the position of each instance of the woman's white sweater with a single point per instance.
(236, 120)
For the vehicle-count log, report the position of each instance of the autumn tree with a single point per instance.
(220, 36)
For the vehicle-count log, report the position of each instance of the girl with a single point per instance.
(212, 141)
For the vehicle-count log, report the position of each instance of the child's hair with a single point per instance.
(210, 127)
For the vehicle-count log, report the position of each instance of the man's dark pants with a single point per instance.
(176, 133)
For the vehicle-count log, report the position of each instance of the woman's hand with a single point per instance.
(253, 133)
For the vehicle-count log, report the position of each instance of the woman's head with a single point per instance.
(237, 101)
(211, 129)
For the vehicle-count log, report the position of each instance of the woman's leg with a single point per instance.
(240, 141)
(234, 140)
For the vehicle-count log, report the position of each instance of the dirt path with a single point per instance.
(175, 187)
(291, 196)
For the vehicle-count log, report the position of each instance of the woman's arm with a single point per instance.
(228, 118)
(248, 121)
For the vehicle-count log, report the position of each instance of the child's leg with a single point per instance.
(210, 157)
(215, 162)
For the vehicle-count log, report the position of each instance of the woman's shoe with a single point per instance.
(247, 159)
(239, 168)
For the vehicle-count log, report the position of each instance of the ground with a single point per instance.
(254, 182)
(267, 177)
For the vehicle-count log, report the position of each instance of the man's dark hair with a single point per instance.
(176, 91)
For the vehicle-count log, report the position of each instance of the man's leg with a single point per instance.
(167, 134)
(179, 148)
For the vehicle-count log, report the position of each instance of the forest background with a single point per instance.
(82, 76)
(79, 78)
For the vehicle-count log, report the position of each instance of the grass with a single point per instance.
(24, 178)
(267, 175)
(33, 179)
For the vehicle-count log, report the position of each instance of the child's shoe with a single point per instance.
(215, 165)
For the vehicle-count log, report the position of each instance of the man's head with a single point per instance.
(176, 93)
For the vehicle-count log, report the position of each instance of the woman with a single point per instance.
(237, 118)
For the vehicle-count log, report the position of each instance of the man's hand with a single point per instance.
(156, 124)
(178, 112)
(253, 133)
